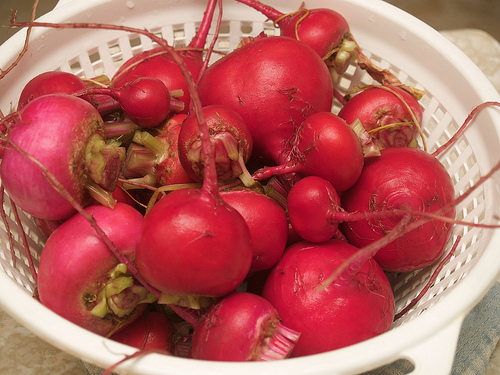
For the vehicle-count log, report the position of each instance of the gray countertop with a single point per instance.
(22, 353)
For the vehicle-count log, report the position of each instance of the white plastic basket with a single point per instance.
(419, 56)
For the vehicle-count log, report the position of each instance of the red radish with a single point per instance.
(65, 134)
(242, 327)
(323, 146)
(355, 308)
(54, 82)
(159, 63)
(323, 29)
(391, 114)
(274, 83)
(80, 279)
(232, 143)
(267, 222)
(145, 100)
(194, 245)
(402, 178)
(310, 203)
(151, 330)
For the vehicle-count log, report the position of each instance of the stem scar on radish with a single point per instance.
(232, 143)
(390, 114)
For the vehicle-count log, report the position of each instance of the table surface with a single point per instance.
(22, 353)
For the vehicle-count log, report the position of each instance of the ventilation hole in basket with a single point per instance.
(246, 28)
(75, 67)
(135, 41)
(225, 28)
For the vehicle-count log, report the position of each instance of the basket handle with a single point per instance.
(436, 354)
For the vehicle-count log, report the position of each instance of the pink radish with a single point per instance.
(390, 114)
(53, 82)
(267, 222)
(324, 30)
(159, 63)
(80, 279)
(408, 179)
(65, 134)
(358, 306)
(324, 146)
(274, 83)
(151, 330)
(232, 143)
(242, 327)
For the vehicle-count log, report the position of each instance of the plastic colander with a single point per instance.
(416, 53)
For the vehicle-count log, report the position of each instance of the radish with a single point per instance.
(242, 327)
(151, 330)
(159, 63)
(232, 143)
(324, 30)
(65, 134)
(311, 203)
(390, 114)
(274, 83)
(324, 146)
(358, 306)
(145, 100)
(80, 279)
(258, 210)
(53, 82)
(402, 178)
(193, 245)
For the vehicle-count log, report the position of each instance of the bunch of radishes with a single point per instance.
(223, 211)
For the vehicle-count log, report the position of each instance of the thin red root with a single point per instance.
(464, 126)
